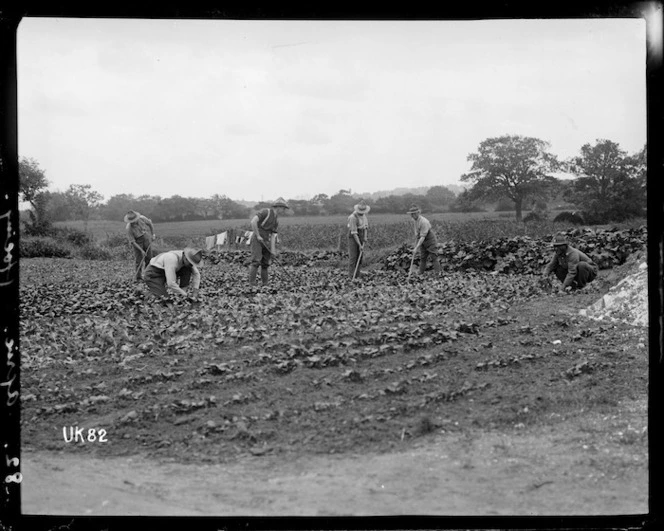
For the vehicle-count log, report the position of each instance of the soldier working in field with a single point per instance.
(425, 240)
(172, 271)
(572, 267)
(263, 245)
(140, 233)
(358, 226)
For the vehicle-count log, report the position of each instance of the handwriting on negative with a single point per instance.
(8, 247)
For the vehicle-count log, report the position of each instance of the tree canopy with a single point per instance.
(610, 184)
(511, 165)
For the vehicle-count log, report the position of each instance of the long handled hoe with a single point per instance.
(410, 269)
(359, 259)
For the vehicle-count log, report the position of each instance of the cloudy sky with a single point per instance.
(260, 109)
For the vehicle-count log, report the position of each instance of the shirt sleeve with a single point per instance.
(352, 224)
(170, 264)
(551, 265)
(148, 221)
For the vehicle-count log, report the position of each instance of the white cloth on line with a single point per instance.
(209, 242)
(221, 238)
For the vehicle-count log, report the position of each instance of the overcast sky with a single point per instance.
(260, 109)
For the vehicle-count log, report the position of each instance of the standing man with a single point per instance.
(264, 226)
(426, 240)
(358, 225)
(172, 271)
(572, 267)
(140, 233)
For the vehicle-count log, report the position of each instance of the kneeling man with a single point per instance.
(572, 267)
(174, 270)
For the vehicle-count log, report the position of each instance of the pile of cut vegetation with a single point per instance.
(525, 255)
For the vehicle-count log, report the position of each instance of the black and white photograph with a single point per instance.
(327, 268)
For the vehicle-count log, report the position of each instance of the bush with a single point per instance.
(93, 252)
(505, 204)
(75, 236)
(532, 216)
(42, 247)
(38, 230)
(569, 217)
(116, 240)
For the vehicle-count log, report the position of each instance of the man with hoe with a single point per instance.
(426, 240)
(358, 225)
(263, 245)
(140, 233)
(572, 267)
(172, 271)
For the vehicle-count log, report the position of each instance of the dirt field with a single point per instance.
(459, 394)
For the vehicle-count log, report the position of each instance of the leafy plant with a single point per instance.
(37, 247)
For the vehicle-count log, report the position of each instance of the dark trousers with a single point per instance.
(260, 256)
(141, 261)
(354, 252)
(429, 248)
(155, 278)
(585, 273)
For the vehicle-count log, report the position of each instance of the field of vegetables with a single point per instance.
(316, 365)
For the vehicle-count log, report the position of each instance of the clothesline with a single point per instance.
(217, 240)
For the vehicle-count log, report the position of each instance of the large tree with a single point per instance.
(610, 184)
(512, 165)
(82, 201)
(32, 189)
(440, 196)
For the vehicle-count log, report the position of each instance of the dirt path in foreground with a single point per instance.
(575, 466)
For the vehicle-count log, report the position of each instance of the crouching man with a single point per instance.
(572, 267)
(174, 270)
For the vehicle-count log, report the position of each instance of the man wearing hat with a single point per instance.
(264, 226)
(358, 225)
(572, 267)
(174, 270)
(426, 240)
(140, 234)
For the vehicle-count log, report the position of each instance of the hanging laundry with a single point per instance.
(209, 242)
(221, 238)
(247, 235)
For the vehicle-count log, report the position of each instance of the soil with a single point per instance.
(528, 408)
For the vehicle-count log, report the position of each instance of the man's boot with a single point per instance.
(253, 270)
(264, 275)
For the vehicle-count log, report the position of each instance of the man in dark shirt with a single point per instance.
(264, 226)
(572, 267)
(358, 225)
(140, 233)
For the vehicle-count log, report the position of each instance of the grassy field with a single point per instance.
(101, 228)
(387, 231)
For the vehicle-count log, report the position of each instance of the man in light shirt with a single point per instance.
(426, 240)
(172, 271)
(358, 225)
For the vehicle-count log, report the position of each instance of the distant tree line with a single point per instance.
(510, 172)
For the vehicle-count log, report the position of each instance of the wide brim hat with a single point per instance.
(280, 202)
(195, 256)
(131, 216)
(414, 209)
(361, 209)
(559, 240)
